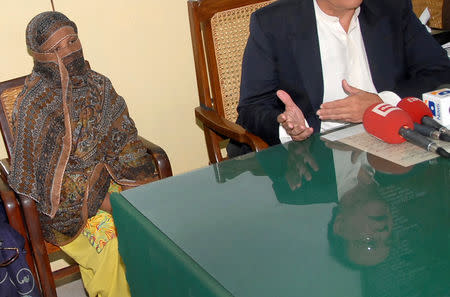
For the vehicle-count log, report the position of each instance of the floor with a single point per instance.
(71, 289)
(69, 286)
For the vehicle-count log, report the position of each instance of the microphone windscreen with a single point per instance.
(416, 108)
(384, 121)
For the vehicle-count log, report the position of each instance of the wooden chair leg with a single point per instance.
(213, 145)
(40, 253)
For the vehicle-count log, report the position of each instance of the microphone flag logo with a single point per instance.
(432, 107)
(412, 99)
(383, 109)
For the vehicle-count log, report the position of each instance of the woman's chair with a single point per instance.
(22, 212)
(219, 32)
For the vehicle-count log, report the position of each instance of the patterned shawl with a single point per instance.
(72, 133)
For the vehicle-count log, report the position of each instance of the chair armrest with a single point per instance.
(15, 218)
(9, 199)
(229, 129)
(4, 168)
(159, 156)
(12, 208)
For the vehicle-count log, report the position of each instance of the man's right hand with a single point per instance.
(292, 118)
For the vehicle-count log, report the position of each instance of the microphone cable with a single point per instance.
(416, 138)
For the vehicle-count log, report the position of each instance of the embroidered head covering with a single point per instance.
(44, 34)
(72, 132)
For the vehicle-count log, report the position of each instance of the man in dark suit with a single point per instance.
(291, 79)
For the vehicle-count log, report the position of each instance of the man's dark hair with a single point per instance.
(337, 244)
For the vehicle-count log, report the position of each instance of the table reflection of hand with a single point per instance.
(299, 164)
(344, 147)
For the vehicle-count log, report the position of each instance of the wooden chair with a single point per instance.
(22, 212)
(219, 32)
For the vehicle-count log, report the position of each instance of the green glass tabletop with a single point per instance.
(302, 219)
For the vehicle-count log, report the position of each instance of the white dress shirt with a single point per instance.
(343, 56)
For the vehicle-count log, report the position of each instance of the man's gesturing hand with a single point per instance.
(349, 109)
(292, 118)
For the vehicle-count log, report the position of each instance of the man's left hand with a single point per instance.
(349, 109)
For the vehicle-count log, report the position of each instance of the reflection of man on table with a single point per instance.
(361, 226)
(332, 59)
(400, 224)
(301, 177)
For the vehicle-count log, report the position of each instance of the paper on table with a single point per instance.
(404, 154)
(343, 133)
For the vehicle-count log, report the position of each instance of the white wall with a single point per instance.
(144, 47)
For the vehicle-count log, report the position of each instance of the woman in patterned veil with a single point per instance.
(74, 144)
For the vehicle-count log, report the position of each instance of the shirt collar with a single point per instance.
(323, 17)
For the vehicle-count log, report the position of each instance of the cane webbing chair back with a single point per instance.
(7, 99)
(219, 32)
(230, 30)
(439, 12)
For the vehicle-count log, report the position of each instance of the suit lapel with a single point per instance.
(306, 51)
(375, 30)
(304, 42)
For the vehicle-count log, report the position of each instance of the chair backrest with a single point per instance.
(8, 95)
(439, 12)
(219, 31)
(9, 90)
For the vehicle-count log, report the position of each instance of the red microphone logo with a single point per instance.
(383, 121)
(412, 99)
(384, 109)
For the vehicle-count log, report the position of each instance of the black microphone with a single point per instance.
(431, 132)
(432, 123)
(423, 142)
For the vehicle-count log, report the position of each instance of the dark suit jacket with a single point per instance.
(283, 53)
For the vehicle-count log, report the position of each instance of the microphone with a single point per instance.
(431, 132)
(421, 114)
(393, 125)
